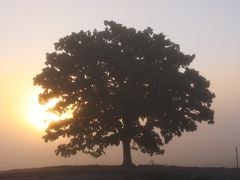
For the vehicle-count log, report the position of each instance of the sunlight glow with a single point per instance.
(38, 115)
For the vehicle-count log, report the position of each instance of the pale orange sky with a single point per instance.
(209, 29)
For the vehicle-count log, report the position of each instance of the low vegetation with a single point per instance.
(142, 172)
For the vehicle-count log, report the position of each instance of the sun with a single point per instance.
(37, 114)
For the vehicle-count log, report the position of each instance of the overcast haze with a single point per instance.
(208, 28)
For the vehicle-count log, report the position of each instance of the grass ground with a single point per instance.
(119, 173)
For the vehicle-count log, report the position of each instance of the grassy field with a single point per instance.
(119, 173)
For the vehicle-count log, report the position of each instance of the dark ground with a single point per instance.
(119, 173)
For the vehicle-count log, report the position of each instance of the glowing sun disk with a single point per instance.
(38, 114)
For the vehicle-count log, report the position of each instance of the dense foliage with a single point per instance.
(122, 85)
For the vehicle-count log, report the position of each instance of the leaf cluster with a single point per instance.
(122, 84)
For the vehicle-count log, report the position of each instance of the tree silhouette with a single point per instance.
(122, 86)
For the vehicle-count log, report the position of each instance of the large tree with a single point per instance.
(122, 86)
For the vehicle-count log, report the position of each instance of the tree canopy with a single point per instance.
(122, 86)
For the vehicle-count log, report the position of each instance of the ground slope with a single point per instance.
(119, 173)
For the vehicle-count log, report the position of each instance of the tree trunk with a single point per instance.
(127, 159)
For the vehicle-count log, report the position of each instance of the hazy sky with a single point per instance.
(208, 28)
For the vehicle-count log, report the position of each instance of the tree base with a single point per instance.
(128, 165)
